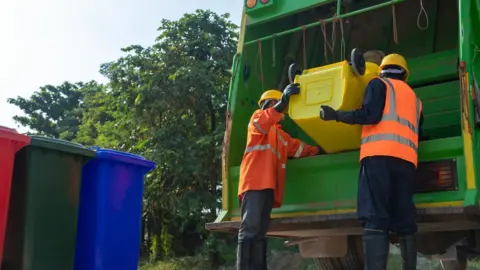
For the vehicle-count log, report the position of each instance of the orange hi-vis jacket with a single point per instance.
(396, 135)
(265, 157)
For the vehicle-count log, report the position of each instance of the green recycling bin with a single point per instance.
(42, 219)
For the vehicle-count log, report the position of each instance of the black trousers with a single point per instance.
(256, 206)
(385, 195)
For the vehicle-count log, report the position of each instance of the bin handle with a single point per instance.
(291, 72)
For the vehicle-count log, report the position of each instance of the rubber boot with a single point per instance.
(375, 248)
(244, 255)
(259, 255)
(408, 252)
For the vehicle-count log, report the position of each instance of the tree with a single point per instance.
(171, 98)
(55, 111)
(98, 121)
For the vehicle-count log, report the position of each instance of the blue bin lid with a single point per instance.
(129, 158)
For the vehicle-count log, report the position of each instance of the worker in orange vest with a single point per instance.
(391, 116)
(262, 175)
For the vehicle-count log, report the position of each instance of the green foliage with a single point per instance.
(154, 252)
(167, 240)
(55, 111)
(166, 102)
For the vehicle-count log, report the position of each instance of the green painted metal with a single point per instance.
(329, 182)
(280, 8)
(475, 67)
(439, 66)
(466, 56)
(260, 6)
(42, 223)
(318, 23)
(441, 103)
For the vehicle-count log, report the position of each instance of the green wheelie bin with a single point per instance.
(42, 219)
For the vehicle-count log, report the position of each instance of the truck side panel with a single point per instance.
(327, 184)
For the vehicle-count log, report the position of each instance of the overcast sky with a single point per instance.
(52, 41)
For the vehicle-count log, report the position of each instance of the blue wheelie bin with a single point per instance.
(109, 222)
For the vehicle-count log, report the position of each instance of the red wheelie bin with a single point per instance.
(10, 143)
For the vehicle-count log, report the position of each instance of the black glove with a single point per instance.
(327, 113)
(291, 89)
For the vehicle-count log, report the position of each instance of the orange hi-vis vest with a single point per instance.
(396, 134)
(268, 148)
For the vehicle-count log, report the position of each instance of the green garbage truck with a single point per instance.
(439, 39)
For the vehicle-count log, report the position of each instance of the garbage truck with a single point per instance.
(439, 39)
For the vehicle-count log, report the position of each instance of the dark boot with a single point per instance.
(375, 248)
(409, 252)
(259, 255)
(244, 255)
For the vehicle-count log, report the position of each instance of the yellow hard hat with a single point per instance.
(270, 94)
(394, 59)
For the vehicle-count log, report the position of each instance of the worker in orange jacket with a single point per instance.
(262, 175)
(391, 119)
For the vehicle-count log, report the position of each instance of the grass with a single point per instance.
(191, 263)
(394, 264)
(277, 261)
(160, 266)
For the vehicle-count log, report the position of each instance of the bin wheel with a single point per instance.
(459, 264)
(357, 61)
(353, 260)
(453, 265)
(293, 70)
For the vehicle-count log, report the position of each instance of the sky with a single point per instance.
(52, 41)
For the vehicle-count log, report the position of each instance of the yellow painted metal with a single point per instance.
(352, 210)
(467, 135)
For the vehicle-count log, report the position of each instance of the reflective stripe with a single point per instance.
(390, 137)
(393, 71)
(258, 127)
(299, 150)
(391, 102)
(283, 166)
(400, 120)
(392, 115)
(281, 138)
(262, 147)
